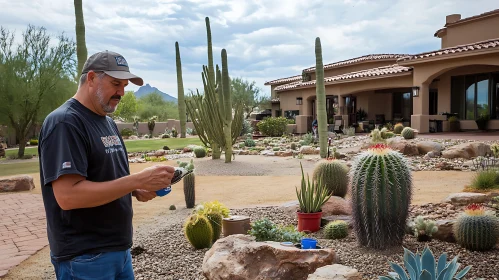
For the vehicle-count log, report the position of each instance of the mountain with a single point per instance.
(146, 89)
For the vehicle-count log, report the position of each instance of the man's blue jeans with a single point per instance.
(112, 265)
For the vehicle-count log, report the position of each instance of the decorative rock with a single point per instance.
(444, 232)
(335, 272)
(467, 150)
(239, 257)
(17, 183)
(160, 153)
(465, 198)
(307, 150)
(336, 206)
(403, 146)
(425, 147)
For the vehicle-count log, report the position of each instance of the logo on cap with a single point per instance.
(121, 61)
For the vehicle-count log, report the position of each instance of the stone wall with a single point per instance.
(159, 128)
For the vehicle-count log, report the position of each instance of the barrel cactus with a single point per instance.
(383, 132)
(476, 229)
(397, 129)
(215, 220)
(198, 231)
(199, 152)
(408, 133)
(381, 189)
(336, 230)
(334, 175)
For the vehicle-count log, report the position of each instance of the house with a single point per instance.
(461, 78)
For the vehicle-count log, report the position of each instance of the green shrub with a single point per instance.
(486, 179)
(249, 143)
(126, 132)
(33, 142)
(266, 230)
(199, 152)
(307, 139)
(273, 126)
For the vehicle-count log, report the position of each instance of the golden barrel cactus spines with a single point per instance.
(397, 129)
(215, 220)
(407, 133)
(334, 174)
(476, 229)
(336, 230)
(381, 183)
(198, 231)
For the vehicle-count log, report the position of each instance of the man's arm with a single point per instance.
(73, 191)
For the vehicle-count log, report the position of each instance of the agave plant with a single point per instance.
(313, 195)
(423, 267)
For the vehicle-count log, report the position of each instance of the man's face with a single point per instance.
(109, 93)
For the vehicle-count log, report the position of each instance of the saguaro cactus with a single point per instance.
(381, 183)
(180, 92)
(81, 46)
(211, 113)
(321, 98)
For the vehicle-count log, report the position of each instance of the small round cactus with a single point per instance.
(476, 229)
(408, 133)
(397, 129)
(334, 175)
(172, 207)
(336, 230)
(198, 231)
(199, 152)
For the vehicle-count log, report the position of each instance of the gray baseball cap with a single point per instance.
(113, 64)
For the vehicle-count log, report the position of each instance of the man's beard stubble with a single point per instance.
(106, 107)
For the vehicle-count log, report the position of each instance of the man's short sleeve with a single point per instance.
(63, 151)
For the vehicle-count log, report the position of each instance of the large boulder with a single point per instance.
(335, 272)
(465, 198)
(425, 147)
(334, 206)
(240, 257)
(17, 183)
(445, 231)
(308, 150)
(467, 150)
(403, 146)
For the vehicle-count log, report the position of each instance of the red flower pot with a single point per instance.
(310, 222)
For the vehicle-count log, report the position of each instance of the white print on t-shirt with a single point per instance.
(66, 165)
(110, 141)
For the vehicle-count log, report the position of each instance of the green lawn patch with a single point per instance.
(27, 151)
(158, 144)
(9, 169)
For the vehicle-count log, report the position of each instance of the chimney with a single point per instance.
(452, 18)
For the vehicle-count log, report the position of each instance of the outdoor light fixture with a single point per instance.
(415, 91)
(299, 101)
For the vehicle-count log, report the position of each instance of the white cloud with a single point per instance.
(264, 39)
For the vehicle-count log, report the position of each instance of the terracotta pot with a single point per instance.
(236, 225)
(310, 222)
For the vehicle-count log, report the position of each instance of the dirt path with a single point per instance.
(245, 191)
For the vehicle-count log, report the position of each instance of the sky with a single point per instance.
(264, 39)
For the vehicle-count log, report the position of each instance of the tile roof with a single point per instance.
(369, 57)
(373, 72)
(284, 80)
(488, 44)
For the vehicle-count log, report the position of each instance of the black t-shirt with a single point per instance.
(75, 140)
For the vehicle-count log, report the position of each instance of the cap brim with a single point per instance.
(123, 75)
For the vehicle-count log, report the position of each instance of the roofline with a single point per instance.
(312, 68)
(409, 72)
(269, 83)
(410, 62)
(466, 20)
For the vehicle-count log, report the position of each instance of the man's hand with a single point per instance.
(155, 177)
(143, 195)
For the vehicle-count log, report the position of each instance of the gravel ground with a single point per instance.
(162, 252)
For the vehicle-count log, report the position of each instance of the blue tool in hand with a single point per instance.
(177, 176)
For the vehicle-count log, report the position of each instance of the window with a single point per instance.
(291, 114)
(299, 101)
(402, 106)
(473, 95)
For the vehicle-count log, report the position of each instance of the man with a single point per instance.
(315, 126)
(86, 183)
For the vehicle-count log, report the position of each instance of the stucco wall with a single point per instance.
(473, 31)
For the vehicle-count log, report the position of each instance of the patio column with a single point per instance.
(420, 119)
(341, 104)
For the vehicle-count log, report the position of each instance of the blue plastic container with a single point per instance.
(164, 191)
(308, 243)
